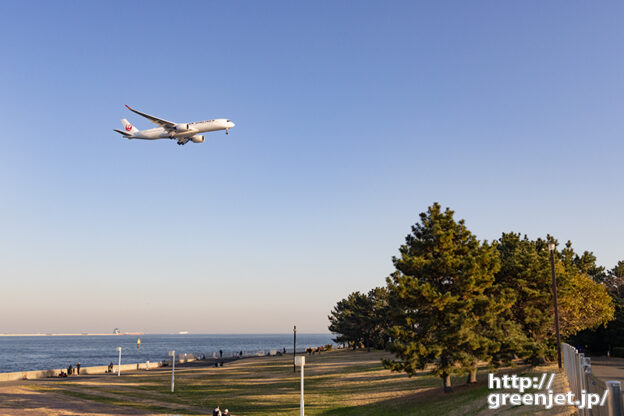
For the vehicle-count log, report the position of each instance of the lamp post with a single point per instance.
(551, 248)
(300, 361)
(295, 349)
(119, 365)
(172, 355)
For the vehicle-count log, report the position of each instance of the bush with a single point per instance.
(618, 352)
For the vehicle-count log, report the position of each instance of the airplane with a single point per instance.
(182, 132)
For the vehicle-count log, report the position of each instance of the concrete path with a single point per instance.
(608, 369)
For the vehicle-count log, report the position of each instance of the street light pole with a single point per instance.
(301, 362)
(119, 366)
(551, 248)
(172, 355)
(294, 349)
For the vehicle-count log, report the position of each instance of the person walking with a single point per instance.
(217, 411)
(220, 353)
(226, 412)
(70, 370)
(78, 369)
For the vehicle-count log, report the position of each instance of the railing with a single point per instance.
(580, 378)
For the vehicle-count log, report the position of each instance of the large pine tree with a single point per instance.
(442, 312)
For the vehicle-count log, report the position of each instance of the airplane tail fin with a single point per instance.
(128, 127)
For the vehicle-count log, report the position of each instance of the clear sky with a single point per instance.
(351, 119)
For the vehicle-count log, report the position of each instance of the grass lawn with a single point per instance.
(336, 383)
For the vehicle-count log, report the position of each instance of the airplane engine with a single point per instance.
(197, 138)
(182, 127)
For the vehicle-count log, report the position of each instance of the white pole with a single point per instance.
(301, 390)
(615, 398)
(173, 372)
(172, 355)
(119, 366)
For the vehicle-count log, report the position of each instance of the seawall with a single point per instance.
(102, 369)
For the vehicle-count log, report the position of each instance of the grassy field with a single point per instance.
(339, 383)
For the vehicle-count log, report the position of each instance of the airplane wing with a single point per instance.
(158, 121)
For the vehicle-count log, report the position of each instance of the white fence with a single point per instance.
(580, 378)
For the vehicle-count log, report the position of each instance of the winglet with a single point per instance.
(123, 133)
(159, 121)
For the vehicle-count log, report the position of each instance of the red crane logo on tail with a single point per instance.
(128, 127)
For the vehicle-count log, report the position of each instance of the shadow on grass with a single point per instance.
(42, 407)
(465, 400)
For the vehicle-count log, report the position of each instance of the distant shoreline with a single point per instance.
(159, 333)
(70, 335)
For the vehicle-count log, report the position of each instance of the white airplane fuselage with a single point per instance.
(182, 132)
(185, 130)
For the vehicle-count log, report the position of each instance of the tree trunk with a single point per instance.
(447, 383)
(472, 376)
(368, 343)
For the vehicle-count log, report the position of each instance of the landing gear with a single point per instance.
(180, 143)
(227, 131)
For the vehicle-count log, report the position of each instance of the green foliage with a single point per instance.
(442, 312)
(614, 280)
(608, 335)
(586, 263)
(361, 319)
(454, 301)
(525, 277)
(526, 273)
(346, 320)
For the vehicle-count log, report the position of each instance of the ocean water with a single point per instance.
(23, 353)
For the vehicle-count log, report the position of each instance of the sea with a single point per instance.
(24, 353)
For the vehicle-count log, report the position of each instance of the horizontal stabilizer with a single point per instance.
(122, 132)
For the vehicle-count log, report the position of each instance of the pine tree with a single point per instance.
(439, 299)
(525, 273)
(614, 280)
(361, 319)
(380, 317)
(347, 320)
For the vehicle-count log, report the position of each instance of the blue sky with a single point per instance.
(351, 119)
